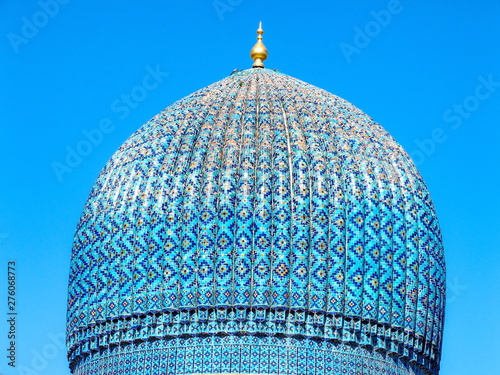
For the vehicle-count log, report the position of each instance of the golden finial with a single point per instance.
(259, 51)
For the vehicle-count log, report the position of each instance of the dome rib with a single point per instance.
(209, 283)
(263, 235)
(300, 187)
(240, 233)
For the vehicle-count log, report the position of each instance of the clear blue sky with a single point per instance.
(428, 71)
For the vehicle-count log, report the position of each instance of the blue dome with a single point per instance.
(260, 225)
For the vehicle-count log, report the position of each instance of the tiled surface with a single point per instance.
(259, 204)
(242, 355)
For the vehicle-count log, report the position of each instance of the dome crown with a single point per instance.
(259, 51)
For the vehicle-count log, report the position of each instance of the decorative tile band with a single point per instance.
(242, 355)
(284, 324)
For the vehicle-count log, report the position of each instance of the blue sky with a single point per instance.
(77, 78)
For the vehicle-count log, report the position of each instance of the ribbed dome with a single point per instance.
(259, 212)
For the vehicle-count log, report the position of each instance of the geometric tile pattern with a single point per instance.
(242, 355)
(259, 205)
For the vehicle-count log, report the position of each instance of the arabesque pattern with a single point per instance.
(264, 207)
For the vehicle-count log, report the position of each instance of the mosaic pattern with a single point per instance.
(259, 205)
(242, 355)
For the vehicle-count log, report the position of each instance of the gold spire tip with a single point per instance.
(259, 51)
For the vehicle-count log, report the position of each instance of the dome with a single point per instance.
(260, 225)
